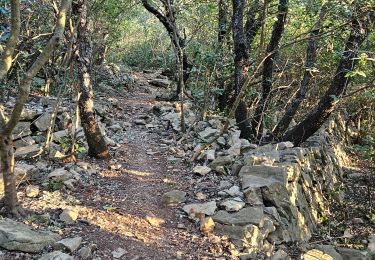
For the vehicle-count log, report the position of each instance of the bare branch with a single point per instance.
(24, 87)
(7, 57)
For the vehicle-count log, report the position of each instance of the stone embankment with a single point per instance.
(277, 193)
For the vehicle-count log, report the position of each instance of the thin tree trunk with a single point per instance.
(241, 64)
(6, 146)
(222, 31)
(7, 57)
(169, 22)
(328, 102)
(267, 74)
(292, 108)
(10, 201)
(97, 146)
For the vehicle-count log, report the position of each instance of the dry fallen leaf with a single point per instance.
(207, 225)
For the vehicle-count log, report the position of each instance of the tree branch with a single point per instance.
(24, 87)
(7, 57)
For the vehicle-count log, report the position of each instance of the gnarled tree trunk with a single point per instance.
(97, 146)
(293, 106)
(222, 32)
(267, 74)
(169, 22)
(327, 104)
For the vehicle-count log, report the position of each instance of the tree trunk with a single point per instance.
(253, 24)
(222, 31)
(328, 102)
(7, 126)
(101, 50)
(267, 74)
(241, 64)
(95, 140)
(169, 22)
(186, 67)
(7, 169)
(292, 108)
(7, 57)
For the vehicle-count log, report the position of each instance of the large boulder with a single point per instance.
(17, 236)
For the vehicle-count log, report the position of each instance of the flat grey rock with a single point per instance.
(173, 197)
(16, 236)
(249, 215)
(72, 244)
(207, 208)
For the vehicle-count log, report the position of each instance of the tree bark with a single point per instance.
(222, 31)
(10, 201)
(267, 73)
(253, 24)
(293, 106)
(243, 37)
(328, 103)
(97, 146)
(241, 64)
(101, 50)
(7, 57)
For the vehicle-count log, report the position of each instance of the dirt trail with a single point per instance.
(119, 201)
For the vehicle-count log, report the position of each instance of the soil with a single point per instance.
(351, 219)
(133, 193)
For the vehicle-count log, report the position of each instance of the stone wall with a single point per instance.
(285, 189)
(281, 192)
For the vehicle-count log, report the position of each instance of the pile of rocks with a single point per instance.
(29, 136)
(268, 195)
(113, 76)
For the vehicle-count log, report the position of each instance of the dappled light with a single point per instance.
(170, 129)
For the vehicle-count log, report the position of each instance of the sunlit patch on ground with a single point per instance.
(139, 173)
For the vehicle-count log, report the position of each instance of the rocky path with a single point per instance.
(123, 206)
(120, 208)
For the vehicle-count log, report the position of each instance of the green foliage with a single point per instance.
(362, 109)
(54, 185)
(366, 152)
(65, 144)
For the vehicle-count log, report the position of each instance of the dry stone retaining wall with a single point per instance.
(284, 188)
(282, 191)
